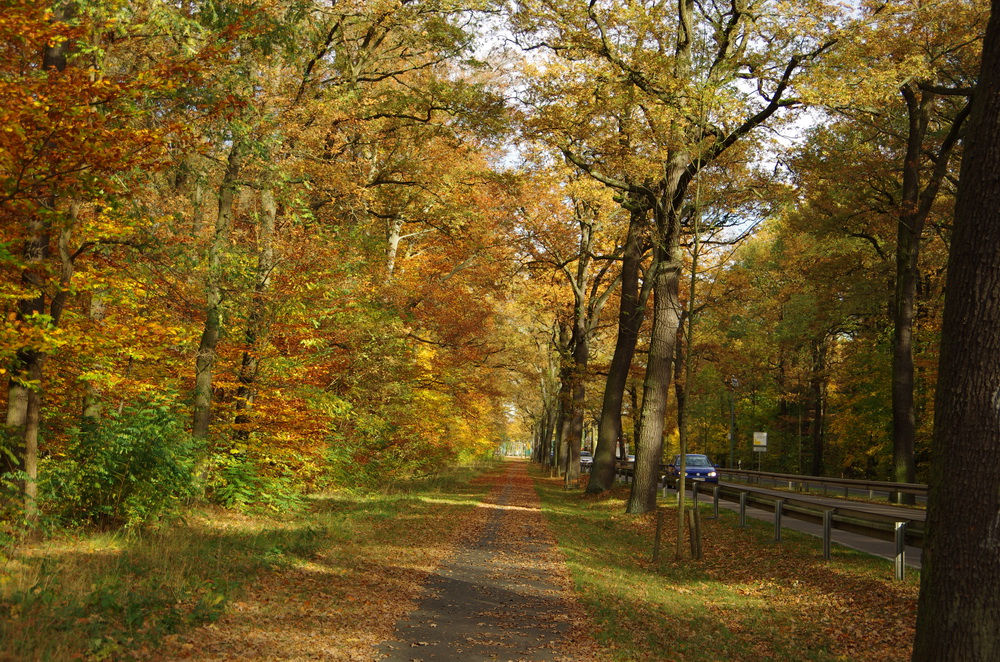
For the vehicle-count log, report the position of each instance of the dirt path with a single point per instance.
(504, 595)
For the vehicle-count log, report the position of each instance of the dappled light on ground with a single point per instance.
(750, 599)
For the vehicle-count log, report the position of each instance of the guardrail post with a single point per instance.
(743, 510)
(778, 503)
(900, 551)
(827, 526)
(715, 503)
(694, 493)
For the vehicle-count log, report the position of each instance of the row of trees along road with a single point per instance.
(269, 246)
(830, 315)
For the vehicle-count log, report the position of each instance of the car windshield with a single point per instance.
(698, 461)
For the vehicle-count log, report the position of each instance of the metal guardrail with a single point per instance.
(804, 483)
(904, 526)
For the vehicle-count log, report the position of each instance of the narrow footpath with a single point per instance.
(504, 595)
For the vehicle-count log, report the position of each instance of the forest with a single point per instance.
(254, 249)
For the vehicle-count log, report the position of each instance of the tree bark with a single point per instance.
(914, 210)
(666, 322)
(581, 353)
(213, 305)
(257, 321)
(630, 316)
(958, 618)
(564, 421)
(394, 236)
(666, 317)
(818, 387)
(92, 399)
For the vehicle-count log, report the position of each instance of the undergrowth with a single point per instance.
(116, 596)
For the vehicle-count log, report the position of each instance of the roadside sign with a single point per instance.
(760, 442)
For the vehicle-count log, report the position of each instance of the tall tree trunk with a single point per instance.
(259, 313)
(909, 230)
(213, 303)
(92, 398)
(818, 388)
(958, 619)
(581, 353)
(666, 321)
(630, 315)
(914, 209)
(666, 287)
(680, 379)
(666, 317)
(395, 235)
(565, 419)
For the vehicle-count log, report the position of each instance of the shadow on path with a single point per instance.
(502, 596)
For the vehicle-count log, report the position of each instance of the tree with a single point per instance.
(959, 611)
(70, 142)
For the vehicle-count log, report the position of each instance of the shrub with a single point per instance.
(126, 469)
(241, 482)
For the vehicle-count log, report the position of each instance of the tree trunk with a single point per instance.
(213, 304)
(818, 387)
(630, 316)
(910, 227)
(395, 234)
(666, 318)
(913, 212)
(565, 402)
(666, 322)
(258, 317)
(92, 399)
(24, 385)
(958, 618)
(581, 353)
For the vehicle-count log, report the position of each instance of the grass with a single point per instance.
(101, 596)
(749, 599)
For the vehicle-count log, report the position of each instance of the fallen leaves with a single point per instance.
(750, 599)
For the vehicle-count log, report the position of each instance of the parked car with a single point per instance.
(586, 460)
(696, 467)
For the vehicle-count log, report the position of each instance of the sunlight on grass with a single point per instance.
(749, 599)
(104, 596)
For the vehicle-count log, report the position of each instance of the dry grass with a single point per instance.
(228, 586)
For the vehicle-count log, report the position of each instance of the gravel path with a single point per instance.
(503, 596)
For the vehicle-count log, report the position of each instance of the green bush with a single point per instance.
(127, 469)
(238, 481)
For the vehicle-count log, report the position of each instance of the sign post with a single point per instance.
(760, 446)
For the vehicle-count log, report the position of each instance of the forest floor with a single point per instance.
(450, 568)
(749, 599)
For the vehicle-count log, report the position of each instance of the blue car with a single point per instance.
(697, 467)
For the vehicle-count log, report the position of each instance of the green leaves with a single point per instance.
(129, 469)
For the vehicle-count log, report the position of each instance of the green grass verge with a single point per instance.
(111, 596)
(750, 598)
